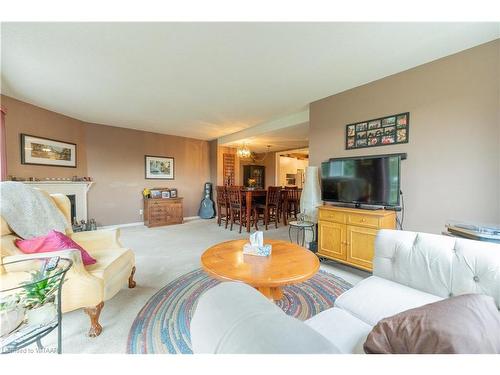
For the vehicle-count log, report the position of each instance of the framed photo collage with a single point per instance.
(382, 131)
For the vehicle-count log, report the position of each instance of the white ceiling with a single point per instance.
(289, 138)
(205, 80)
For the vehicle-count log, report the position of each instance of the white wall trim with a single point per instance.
(117, 226)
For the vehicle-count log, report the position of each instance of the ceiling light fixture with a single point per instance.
(244, 152)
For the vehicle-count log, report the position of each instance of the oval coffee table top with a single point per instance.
(288, 264)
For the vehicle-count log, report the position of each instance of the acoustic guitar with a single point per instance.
(207, 206)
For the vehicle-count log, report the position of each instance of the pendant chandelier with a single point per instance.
(244, 152)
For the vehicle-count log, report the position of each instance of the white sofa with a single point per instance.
(410, 270)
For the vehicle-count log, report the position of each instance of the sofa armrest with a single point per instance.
(72, 254)
(80, 289)
(234, 318)
(98, 239)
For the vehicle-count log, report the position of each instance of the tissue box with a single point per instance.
(262, 251)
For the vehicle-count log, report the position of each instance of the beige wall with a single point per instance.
(26, 118)
(453, 165)
(113, 157)
(116, 162)
(213, 146)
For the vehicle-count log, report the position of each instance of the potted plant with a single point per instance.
(39, 296)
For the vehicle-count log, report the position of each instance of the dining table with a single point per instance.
(250, 194)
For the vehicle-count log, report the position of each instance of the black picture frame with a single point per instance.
(161, 158)
(24, 158)
(357, 134)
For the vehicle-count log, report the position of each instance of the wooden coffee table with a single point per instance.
(288, 264)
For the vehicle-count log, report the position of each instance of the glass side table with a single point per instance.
(30, 301)
(300, 227)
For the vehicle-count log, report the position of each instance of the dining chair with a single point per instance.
(237, 207)
(223, 211)
(270, 209)
(292, 201)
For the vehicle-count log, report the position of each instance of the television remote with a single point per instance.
(51, 264)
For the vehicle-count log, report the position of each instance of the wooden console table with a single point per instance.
(158, 212)
(347, 235)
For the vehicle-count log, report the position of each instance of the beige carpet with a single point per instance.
(162, 254)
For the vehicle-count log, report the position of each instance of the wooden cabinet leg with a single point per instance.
(94, 313)
(131, 281)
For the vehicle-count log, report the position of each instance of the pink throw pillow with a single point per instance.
(53, 241)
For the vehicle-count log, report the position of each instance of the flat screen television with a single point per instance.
(369, 180)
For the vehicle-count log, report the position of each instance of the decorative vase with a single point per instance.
(310, 199)
(42, 315)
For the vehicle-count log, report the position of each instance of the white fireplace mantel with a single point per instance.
(77, 188)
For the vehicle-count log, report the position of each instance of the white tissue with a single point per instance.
(256, 245)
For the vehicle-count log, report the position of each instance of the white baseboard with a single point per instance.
(116, 226)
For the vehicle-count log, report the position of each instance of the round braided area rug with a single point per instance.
(162, 325)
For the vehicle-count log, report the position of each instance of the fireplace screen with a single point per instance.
(72, 200)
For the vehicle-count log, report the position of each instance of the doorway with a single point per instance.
(291, 166)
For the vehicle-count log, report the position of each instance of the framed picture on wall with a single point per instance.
(382, 131)
(46, 151)
(159, 167)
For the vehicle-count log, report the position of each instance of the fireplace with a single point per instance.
(76, 191)
(72, 201)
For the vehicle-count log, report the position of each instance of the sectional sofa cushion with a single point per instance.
(338, 326)
(376, 298)
(467, 324)
(235, 318)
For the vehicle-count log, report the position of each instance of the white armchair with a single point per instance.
(85, 287)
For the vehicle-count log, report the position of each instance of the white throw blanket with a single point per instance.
(28, 211)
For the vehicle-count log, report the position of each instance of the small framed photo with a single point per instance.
(351, 142)
(401, 135)
(173, 193)
(388, 139)
(361, 127)
(389, 121)
(361, 142)
(159, 168)
(155, 194)
(165, 194)
(45, 151)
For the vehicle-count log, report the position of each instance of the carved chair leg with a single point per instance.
(131, 281)
(93, 313)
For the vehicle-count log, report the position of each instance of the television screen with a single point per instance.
(372, 180)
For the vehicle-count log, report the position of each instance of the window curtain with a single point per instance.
(3, 149)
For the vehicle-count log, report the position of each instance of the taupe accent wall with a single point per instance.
(26, 118)
(453, 165)
(113, 157)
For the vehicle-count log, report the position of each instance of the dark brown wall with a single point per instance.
(453, 166)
